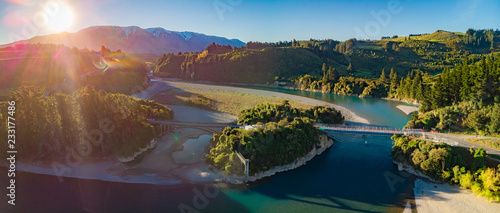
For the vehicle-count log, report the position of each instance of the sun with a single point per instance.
(62, 19)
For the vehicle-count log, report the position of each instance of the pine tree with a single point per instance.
(446, 87)
(407, 89)
(438, 99)
(326, 74)
(394, 83)
(426, 104)
(465, 89)
(416, 86)
(400, 93)
(383, 78)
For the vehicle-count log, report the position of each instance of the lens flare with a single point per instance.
(62, 18)
(100, 63)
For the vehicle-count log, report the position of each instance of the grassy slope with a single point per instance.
(438, 36)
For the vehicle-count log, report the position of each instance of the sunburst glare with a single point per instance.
(62, 19)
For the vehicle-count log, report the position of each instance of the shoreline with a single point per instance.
(287, 87)
(151, 144)
(407, 109)
(324, 144)
(410, 169)
(433, 196)
(416, 103)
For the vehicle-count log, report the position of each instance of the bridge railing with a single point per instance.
(189, 122)
(366, 128)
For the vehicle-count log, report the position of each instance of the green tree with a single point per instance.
(438, 94)
(383, 79)
(494, 124)
(350, 69)
(426, 104)
(394, 83)
(477, 120)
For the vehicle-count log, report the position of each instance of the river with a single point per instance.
(356, 174)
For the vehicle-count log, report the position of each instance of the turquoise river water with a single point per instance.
(355, 175)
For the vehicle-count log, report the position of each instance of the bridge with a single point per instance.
(167, 125)
(367, 130)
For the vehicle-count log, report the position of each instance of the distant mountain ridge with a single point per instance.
(134, 39)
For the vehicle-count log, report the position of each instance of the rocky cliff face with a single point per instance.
(412, 170)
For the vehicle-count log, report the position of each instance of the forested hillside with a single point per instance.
(465, 97)
(240, 65)
(51, 66)
(291, 60)
(86, 123)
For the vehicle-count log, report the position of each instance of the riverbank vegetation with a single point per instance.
(274, 140)
(457, 165)
(88, 122)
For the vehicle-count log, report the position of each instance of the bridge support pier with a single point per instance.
(164, 129)
(246, 163)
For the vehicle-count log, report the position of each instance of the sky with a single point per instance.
(258, 20)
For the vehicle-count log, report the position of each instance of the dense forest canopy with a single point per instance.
(88, 122)
(50, 66)
(282, 135)
(265, 113)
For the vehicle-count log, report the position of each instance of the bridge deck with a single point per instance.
(188, 123)
(377, 130)
(366, 129)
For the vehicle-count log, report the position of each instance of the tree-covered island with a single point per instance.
(279, 136)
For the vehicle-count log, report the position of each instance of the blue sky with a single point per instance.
(261, 20)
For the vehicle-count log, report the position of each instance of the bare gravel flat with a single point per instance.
(160, 85)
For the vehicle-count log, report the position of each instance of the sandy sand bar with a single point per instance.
(407, 109)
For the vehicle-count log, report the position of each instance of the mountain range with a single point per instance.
(133, 39)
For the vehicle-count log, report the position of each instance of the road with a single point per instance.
(460, 140)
